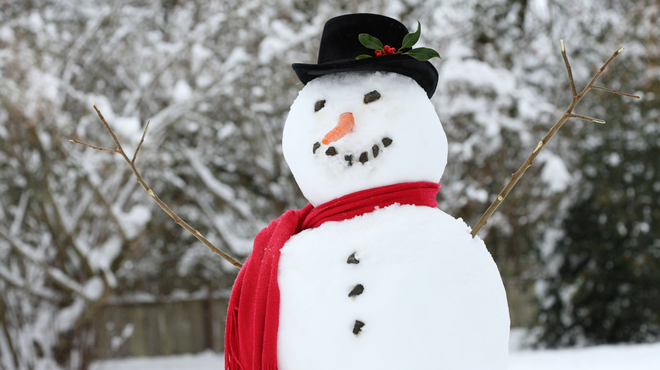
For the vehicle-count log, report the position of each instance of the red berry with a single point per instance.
(386, 48)
(391, 50)
(378, 53)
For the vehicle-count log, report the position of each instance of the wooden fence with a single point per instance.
(160, 329)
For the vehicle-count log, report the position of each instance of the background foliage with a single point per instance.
(580, 231)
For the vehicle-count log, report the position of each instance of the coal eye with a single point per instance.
(371, 97)
(319, 105)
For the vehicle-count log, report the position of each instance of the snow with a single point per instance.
(278, 40)
(540, 9)
(554, 173)
(431, 291)
(181, 91)
(6, 34)
(201, 361)
(188, 261)
(67, 316)
(403, 114)
(65, 280)
(133, 221)
(94, 288)
(477, 74)
(44, 85)
(102, 256)
(612, 357)
(237, 56)
(223, 191)
(237, 243)
(128, 128)
(118, 340)
(477, 194)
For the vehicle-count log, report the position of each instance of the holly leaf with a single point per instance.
(370, 42)
(423, 54)
(363, 56)
(411, 39)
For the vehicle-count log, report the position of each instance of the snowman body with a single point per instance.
(400, 287)
(432, 296)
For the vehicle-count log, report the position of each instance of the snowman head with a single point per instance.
(363, 122)
(348, 132)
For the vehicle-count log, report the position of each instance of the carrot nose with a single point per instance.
(344, 126)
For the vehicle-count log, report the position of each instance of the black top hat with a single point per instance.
(340, 45)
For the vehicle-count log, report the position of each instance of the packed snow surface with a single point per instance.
(402, 114)
(432, 296)
(615, 357)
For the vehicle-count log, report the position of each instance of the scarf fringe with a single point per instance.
(231, 341)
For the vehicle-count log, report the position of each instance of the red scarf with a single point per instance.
(253, 312)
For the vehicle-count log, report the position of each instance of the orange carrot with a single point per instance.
(344, 126)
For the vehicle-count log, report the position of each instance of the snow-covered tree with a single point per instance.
(603, 272)
(75, 228)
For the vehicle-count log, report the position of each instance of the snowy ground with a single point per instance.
(619, 357)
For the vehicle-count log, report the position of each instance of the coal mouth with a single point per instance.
(364, 156)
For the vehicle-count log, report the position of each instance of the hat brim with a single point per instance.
(422, 72)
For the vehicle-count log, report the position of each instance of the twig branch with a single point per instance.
(567, 114)
(140, 144)
(95, 147)
(568, 67)
(586, 118)
(146, 187)
(616, 92)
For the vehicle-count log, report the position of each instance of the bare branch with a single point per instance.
(95, 147)
(586, 118)
(600, 70)
(163, 206)
(567, 114)
(141, 141)
(616, 92)
(112, 133)
(568, 68)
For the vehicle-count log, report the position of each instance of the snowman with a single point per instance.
(370, 275)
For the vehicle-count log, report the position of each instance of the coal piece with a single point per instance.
(349, 158)
(357, 328)
(375, 150)
(357, 290)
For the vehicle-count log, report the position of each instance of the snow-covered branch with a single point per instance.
(57, 275)
(18, 282)
(20, 214)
